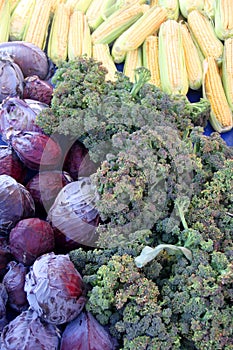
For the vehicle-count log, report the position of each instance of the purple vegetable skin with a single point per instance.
(55, 289)
(37, 89)
(11, 79)
(28, 332)
(30, 58)
(85, 333)
(11, 165)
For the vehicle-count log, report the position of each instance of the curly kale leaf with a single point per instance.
(139, 182)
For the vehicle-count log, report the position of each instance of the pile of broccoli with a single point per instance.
(160, 182)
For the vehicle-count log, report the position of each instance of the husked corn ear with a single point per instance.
(55, 3)
(192, 60)
(227, 70)
(223, 19)
(116, 24)
(133, 60)
(221, 114)
(209, 8)
(187, 6)
(134, 36)
(20, 19)
(5, 20)
(38, 26)
(204, 34)
(79, 37)
(172, 7)
(150, 58)
(173, 73)
(102, 54)
(58, 37)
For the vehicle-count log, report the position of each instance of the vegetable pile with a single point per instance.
(119, 229)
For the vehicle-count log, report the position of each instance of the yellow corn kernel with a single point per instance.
(134, 36)
(227, 70)
(223, 19)
(153, 2)
(221, 114)
(150, 58)
(172, 7)
(5, 20)
(102, 54)
(75, 36)
(187, 6)
(38, 26)
(133, 60)
(20, 19)
(204, 34)
(58, 37)
(192, 59)
(79, 37)
(173, 73)
(116, 24)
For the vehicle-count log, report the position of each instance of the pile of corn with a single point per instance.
(186, 44)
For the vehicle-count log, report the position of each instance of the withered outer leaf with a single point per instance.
(14, 281)
(55, 289)
(85, 333)
(11, 79)
(28, 331)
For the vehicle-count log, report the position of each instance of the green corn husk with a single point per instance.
(187, 6)
(172, 7)
(223, 20)
(4, 20)
(20, 19)
(116, 24)
(227, 70)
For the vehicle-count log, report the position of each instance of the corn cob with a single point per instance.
(172, 7)
(133, 60)
(55, 3)
(150, 58)
(173, 74)
(20, 19)
(116, 24)
(187, 6)
(79, 37)
(227, 70)
(134, 36)
(204, 35)
(120, 4)
(223, 19)
(221, 114)
(102, 54)
(5, 20)
(209, 8)
(192, 59)
(58, 37)
(38, 26)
